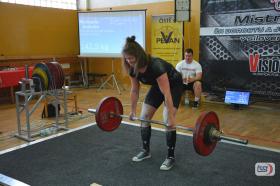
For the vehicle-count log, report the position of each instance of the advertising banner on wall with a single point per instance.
(240, 46)
(167, 38)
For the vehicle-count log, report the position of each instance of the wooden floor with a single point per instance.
(259, 123)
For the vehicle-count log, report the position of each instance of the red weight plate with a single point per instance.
(201, 142)
(61, 74)
(56, 74)
(52, 69)
(104, 119)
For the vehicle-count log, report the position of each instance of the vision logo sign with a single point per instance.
(276, 4)
(264, 169)
(264, 65)
(254, 62)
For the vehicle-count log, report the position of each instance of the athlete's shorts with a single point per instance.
(189, 86)
(155, 97)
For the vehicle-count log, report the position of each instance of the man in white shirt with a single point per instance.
(192, 73)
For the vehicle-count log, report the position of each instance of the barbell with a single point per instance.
(206, 133)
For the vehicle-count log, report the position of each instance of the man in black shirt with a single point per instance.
(166, 86)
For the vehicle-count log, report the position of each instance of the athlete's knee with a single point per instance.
(197, 86)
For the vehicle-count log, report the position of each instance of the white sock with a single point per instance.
(196, 98)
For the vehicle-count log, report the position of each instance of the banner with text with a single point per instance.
(240, 46)
(167, 38)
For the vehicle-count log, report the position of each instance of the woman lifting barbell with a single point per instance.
(166, 86)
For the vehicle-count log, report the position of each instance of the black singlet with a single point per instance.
(156, 68)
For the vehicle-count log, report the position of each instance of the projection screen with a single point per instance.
(103, 33)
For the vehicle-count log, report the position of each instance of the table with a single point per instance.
(11, 78)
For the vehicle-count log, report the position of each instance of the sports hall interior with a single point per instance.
(31, 34)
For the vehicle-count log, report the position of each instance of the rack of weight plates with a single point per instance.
(46, 83)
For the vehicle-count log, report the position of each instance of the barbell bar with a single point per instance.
(214, 133)
(109, 114)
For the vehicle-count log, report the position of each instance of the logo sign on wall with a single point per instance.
(276, 4)
(167, 38)
(240, 46)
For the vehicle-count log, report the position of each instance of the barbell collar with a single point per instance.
(218, 135)
(92, 110)
(227, 138)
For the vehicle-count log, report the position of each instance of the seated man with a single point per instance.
(192, 73)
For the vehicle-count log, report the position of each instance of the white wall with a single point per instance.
(91, 4)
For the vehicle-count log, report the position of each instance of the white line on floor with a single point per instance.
(46, 138)
(8, 181)
(126, 123)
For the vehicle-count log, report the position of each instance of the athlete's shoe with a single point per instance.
(167, 164)
(142, 156)
(195, 105)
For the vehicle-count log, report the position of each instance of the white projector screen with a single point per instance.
(103, 34)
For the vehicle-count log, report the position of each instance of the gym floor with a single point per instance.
(259, 123)
(91, 157)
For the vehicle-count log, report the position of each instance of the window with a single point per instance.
(63, 4)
